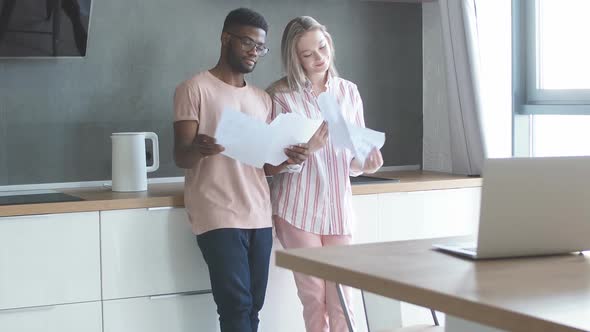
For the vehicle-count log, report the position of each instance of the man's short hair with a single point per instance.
(245, 16)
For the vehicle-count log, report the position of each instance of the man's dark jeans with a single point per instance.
(238, 267)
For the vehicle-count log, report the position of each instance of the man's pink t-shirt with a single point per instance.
(221, 192)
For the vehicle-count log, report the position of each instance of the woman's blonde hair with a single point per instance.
(295, 75)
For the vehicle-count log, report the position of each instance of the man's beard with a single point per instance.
(235, 62)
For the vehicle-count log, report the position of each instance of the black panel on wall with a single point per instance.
(57, 115)
(44, 28)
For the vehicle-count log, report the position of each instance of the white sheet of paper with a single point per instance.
(345, 135)
(243, 137)
(255, 143)
(289, 129)
(337, 127)
(365, 140)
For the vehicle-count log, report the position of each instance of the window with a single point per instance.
(551, 77)
(557, 79)
(561, 135)
(562, 51)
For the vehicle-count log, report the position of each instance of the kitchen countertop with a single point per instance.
(171, 194)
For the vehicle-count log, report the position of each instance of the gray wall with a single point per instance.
(56, 115)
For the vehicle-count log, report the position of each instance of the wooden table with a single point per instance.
(549, 293)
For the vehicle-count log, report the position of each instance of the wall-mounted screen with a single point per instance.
(44, 28)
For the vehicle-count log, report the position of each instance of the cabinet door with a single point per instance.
(49, 259)
(451, 212)
(149, 252)
(282, 310)
(366, 223)
(401, 216)
(77, 317)
(381, 313)
(169, 313)
(428, 214)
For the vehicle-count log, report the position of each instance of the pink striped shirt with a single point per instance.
(319, 198)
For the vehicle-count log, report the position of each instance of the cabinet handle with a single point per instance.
(20, 217)
(160, 208)
(167, 296)
(16, 310)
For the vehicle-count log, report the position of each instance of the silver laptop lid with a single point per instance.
(534, 206)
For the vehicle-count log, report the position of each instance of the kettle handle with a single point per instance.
(155, 151)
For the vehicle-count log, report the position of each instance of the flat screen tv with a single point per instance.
(44, 28)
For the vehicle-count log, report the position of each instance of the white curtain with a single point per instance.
(461, 52)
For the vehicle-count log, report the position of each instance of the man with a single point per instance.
(228, 202)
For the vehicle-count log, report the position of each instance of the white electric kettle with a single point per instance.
(129, 160)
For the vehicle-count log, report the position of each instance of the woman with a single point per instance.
(312, 205)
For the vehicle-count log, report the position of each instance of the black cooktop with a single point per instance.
(38, 198)
(361, 179)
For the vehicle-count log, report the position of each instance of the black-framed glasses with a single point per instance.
(248, 44)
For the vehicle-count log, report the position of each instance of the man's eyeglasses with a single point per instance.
(248, 45)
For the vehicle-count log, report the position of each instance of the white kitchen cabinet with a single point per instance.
(383, 313)
(452, 212)
(427, 214)
(168, 313)
(401, 215)
(366, 214)
(77, 317)
(282, 310)
(404, 216)
(149, 252)
(50, 267)
(49, 259)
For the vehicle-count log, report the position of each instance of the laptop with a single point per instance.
(530, 207)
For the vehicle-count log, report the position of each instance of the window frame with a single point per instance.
(528, 98)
